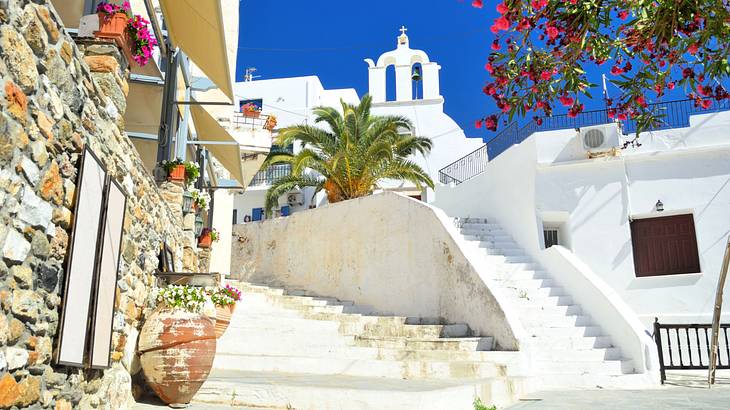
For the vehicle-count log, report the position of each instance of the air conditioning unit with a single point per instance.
(295, 198)
(600, 138)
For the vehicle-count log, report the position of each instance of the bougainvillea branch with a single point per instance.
(647, 47)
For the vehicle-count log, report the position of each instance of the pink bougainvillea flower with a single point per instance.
(489, 68)
(477, 3)
(623, 14)
(567, 101)
(478, 123)
(546, 75)
(552, 32)
(500, 24)
(692, 49)
(616, 70)
(495, 45)
(502, 8)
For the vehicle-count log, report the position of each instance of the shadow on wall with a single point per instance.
(388, 251)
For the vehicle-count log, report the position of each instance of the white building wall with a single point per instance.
(548, 178)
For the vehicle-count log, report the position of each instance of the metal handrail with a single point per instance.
(677, 115)
(270, 175)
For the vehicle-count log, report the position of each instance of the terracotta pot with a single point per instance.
(177, 174)
(114, 28)
(205, 240)
(176, 352)
(223, 319)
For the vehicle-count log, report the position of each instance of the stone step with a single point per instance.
(352, 366)
(573, 355)
(249, 288)
(572, 342)
(555, 320)
(415, 331)
(516, 252)
(540, 300)
(505, 259)
(481, 227)
(518, 274)
(525, 310)
(548, 381)
(529, 283)
(510, 244)
(535, 293)
(468, 344)
(336, 392)
(567, 331)
(567, 366)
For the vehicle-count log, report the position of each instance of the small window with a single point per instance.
(665, 246)
(551, 237)
(235, 216)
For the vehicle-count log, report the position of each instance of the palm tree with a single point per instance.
(358, 151)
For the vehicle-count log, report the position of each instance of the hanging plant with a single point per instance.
(108, 10)
(143, 43)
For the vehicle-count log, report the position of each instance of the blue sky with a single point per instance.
(331, 38)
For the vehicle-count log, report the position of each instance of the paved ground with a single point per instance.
(683, 390)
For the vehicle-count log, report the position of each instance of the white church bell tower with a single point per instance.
(403, 58)
(426, 112)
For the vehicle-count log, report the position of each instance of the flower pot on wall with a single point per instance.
(114, 28)
(252, 114)
(205, 240)
(223, 319)
(176, 353)
(177, 174)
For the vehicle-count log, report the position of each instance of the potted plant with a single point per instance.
(201, 200)
(207, 237)
(177, 343)
(224, 300)
(113, 19)
(270, 123)
(250, 110)
(181, 171)
(142, 41)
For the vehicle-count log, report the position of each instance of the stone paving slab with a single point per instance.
(682, 390)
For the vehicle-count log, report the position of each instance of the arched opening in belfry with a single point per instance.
(390, 87)
(417, 81)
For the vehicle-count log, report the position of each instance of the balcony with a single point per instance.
(268, 176)
(248, 131)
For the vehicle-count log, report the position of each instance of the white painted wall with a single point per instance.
(548, 175)
(394, 253)
(220, 254)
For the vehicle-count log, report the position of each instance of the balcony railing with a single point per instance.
(270, 175)
(674, 114)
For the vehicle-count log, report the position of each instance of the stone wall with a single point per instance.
(394, 253)
(51, 106)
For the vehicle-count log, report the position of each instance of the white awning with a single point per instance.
(196, 26)
(219, 142)
(70, 11)
(144, 104)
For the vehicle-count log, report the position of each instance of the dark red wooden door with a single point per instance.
(665, 246)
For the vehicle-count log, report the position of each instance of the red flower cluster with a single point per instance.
(548, 42)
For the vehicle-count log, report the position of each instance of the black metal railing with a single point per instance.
(464, 168)
(673, 114)
(270, 175)
(687, 346)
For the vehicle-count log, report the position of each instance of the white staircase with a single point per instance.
(568, 348)
(293, 350)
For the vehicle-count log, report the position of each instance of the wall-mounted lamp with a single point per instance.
(198, 225)
(659, 206)
(187, 204)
